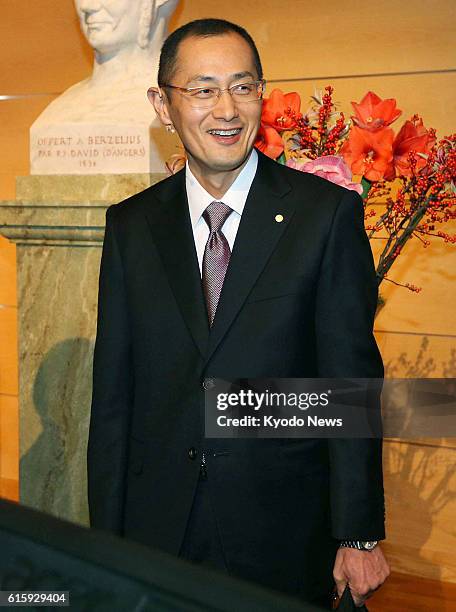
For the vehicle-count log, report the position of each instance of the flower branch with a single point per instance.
(409, 173)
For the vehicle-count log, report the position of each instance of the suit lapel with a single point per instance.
(257, 236)
(170, 224)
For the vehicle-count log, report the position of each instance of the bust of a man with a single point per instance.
(126, 36)
(111, 105)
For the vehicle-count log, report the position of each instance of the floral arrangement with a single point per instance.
(411, 172)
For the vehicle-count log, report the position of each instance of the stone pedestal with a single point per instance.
(58, 226)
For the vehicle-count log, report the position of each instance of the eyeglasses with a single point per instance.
(207, 97)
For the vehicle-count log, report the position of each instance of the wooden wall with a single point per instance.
(9, 442)
(404, 50)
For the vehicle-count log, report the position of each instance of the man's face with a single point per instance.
(109, 24)
(221, 61)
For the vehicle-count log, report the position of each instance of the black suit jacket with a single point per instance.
(298, 300)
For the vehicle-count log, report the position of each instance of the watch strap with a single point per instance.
(359, 544)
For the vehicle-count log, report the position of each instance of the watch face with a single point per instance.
(369, 545)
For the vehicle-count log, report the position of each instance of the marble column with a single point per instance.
(57, 223)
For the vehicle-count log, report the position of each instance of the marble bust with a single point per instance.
(111, 104)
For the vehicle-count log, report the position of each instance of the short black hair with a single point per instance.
(202, 28)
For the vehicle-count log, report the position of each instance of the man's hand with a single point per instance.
(364, 571)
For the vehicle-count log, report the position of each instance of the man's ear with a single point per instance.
(157, 99)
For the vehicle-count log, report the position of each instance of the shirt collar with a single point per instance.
(236, 196)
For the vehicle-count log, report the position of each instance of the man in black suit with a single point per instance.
(235, 267)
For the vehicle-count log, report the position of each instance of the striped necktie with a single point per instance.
(216, 255)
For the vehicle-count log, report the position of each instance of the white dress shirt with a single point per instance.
(199, 199)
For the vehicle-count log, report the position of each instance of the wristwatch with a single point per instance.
(359, 544)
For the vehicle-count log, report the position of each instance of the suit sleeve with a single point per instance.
(346, 347)
(112, 395)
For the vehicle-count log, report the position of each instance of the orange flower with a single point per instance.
(280, 110)
(412, 136)
(373, 113)
(369, 154)
(269, 142)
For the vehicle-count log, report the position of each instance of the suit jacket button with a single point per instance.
(192, 453)
(208, 383)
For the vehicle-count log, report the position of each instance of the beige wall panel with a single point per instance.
(42, 47)
(411, 355)
(420, 484)
(9, 489)
(432, 310)
(449, 443)
(8, 295)
(7, 186)
(9, 437)
(299, 38)
(8, 351)
(16, 117)
(296, 38)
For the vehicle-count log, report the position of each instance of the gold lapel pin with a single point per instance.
(279, 218)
